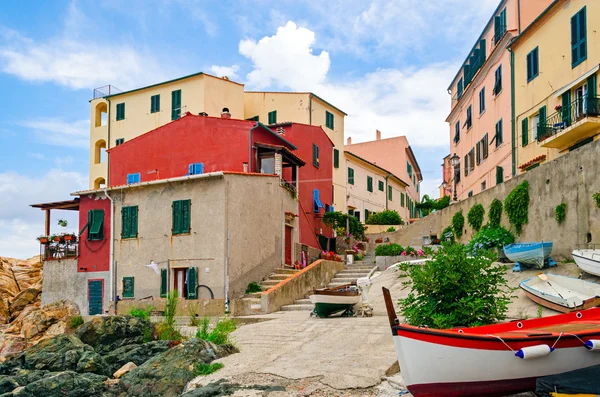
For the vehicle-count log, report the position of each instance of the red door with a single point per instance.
(288, 245)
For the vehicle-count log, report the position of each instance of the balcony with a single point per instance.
(59, 249)
(570, 125)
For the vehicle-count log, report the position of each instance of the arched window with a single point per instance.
(100, 152)
(101, 114)
(99, 183)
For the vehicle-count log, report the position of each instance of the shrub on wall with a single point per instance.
(596, 197)
(448, 232)
(441, 203)
(387, 217)
(458, 223)
(516, 206)
(495, 214)
(560, 213)
(337, 220)
(491, 237)
(475, 216)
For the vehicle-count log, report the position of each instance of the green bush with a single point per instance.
(495, 214)
(475, 216)
(219, 335)
(441, 203)
(491, 237)
(203, 369)
(447, 231)
(337, 221)
(390, 229)
(141, 312)
(458, 223)
(166, 330)
(516, 206)
(391, 249)
(596, 197)
(75, 321)
(560, 213)
(456, 289)
(253, 287)
(387, 217)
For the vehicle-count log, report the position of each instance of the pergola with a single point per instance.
(68, 205)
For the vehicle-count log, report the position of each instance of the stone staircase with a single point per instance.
(350, 274)
(253, 302)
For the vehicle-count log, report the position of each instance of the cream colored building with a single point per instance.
(373, 189)
(307, 108)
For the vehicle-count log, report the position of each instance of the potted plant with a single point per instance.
(379, 240)
(56, 237)
(43, 239)
(63, 223)
(558, 108)
(70, 237)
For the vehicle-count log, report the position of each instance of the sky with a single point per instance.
(387, 64)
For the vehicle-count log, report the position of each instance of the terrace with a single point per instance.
(570, 124)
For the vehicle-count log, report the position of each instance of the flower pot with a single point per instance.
(44, 240)
(69, 238)
(57, 238)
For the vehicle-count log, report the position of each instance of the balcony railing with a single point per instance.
(564, 117)
(106, 90)
(55, 250)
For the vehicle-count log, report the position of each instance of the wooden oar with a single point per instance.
(543, 277)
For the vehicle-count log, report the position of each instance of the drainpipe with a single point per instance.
(519, 14)
(512, 111)
(309, 109)
(386, 191)
(250, 167)
(112, 269)
(108, 145)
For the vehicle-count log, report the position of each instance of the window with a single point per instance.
(350, 176)
(409, 169)
(369, 183)
(133, 178)
(128, 288)
(163, 283)
(129, 222)
(470, 194)
(328, 120)
(357, 215)
(196, 169)
(192, 282)
(155, 103)
(459, 89)
(485, 144)
(120, 111)
(478, 152)
(472, 159)
(315, 155)
(119, 141)
(381, 186)
(578, 38)
(498, 81)
(367, 213)
(541, 125)
(524, 131)
(457, 132)
(469, 122)
(255, 118)
(483, 186)
(336, 158)
(499, 26)
(175, 104)
(482, 100)
(467, 164)
(273, 117)
(402, 200)
(499, 175)
(535, 121)
(95, 225)
(317, 201)
(498, 136)
(390, 193)
(532, 64)
(181, 216)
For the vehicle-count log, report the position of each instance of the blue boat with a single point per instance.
(530, 254)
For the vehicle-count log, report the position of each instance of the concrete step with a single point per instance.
(336, 284)
(303, 302)
(351, 273)
(255, 295)
(280, 270)
(343, 280)
(269, 283)
(297, 308)
(278, 276)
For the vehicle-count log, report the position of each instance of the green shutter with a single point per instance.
(336, 158)
(96, 231)
(541, 129)
(176, 217)
(125, 222)
(578, 38)
(185, 216)
(192, 277)
(390, 193)
(120, 111)
(133, 215)
(592, 87)
(273, 117)
(155, 103)
(329, 120)
(402, 200)
(566, 108)
(499, 175)
(350, 176)
(369, 183)
(175, 104)
(524, 131)
(163, 283)
(128, 287)
(381, 186)
(315, 155)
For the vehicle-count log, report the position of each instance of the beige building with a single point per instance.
(374, 189)
(306, 108)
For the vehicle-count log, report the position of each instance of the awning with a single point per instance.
(533, 161)
(71, 205)
(576, 81)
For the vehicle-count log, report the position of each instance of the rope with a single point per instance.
(502, 340)
(559, 336)
(552, 347)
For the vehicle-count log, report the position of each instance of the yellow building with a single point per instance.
(556, 61)
(306, 108)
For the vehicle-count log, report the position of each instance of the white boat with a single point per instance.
(329, 301)
(561, 293)
(588, 260)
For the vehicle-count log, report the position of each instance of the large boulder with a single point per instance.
(24, 298)
(11, 344)
(137, 354)
(34, 320)
(167, 374)
(106, 334)
(63, 352)
(65, 384)
(8, 383)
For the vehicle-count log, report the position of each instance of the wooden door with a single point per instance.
(95, 292)
(288, 245)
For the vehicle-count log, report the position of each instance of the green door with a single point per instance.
(95, 288)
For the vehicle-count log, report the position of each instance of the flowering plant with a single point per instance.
(297, 265)
(557, 107)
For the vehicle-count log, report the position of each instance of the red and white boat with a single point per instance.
(486, 360)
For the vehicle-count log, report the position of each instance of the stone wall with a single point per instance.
(572, 179)
(375, 229)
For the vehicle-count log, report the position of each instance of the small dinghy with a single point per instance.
(561, 293)
(493, 360)
(588, 260)
(329, 301)
(530, 254)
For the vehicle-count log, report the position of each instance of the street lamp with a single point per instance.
(455, 161)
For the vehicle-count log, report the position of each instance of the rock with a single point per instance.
(11, 344)
(7, 384)
(106, 334)
(137, 354)
(167, 373)
(65, 384)
(124, 369)
(23, 299)
(4, 313)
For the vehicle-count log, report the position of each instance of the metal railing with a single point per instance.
(106, 90)
(55, 250)
(566, 116)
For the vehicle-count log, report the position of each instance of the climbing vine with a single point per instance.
(516, 206)
(458, 223)
(475, 216)
(560, 213)
(495, 214)
(596, 197)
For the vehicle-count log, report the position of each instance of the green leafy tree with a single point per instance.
(475, 216)
(441, 203)
(456, 288)
(495, 214)
(387, 217)
(458, 223)
(516, 206)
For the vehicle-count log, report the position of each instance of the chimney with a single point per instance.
(225, 114)
(377, 135)
(349, 141)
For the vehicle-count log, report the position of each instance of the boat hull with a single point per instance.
(588, 261)
(588, 304)
(533, 254)
(327, 305)
(562, 293)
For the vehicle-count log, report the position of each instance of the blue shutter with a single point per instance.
(191, 169)
(133, 178)
(578, 38)
(316, 201)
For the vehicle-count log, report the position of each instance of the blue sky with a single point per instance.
(387, 64)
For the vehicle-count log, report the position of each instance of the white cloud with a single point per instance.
(21, 224)
(58, 132)
(286, 59)
(229, 71)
